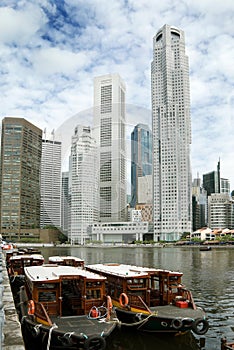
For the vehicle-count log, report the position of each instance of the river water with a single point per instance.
(208, 274)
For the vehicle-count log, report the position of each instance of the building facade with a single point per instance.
(199, 205)
(84, 184)
(211, 182)
(50, 183)
(171, 130)
(145, 189)
(141, 158)
(118, 232)
(21, 147)
(224, 185)
(220, 211)
(65, 203)
(109, 132)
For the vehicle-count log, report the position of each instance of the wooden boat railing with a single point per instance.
(41, 313)
(136, 300)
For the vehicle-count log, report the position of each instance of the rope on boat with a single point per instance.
(96, 313)
(140, 322)
(22, 319)
(49, 337)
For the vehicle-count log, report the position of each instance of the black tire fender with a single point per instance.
(200, 331)
(177, 323)
(95, 342)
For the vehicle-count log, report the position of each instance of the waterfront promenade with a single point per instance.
(10, 330)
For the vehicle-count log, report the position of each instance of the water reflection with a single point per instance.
(209, 275)
(126, 340)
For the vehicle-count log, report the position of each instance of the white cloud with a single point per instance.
(18, 26)
(53, 60)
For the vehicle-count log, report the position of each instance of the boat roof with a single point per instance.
(58, 258)
(122, 270)
(49, 272)
(129, 271)
(27, 256)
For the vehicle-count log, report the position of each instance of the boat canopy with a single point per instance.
(52, 272)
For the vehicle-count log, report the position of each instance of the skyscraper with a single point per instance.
(211, 181)
(171, 128)
(50, 183)
(20, 176)
(84, 184)
(109, 132)
(141, 157)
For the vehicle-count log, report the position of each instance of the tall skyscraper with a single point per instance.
(141, 157)
(211, 181)
(50, 183)
(109, 131)
(171, 128)
(84, 184)
(21, 144)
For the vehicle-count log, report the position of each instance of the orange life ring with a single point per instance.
(123, 299)
(31, 307)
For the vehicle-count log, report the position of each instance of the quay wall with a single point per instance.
(10, 329)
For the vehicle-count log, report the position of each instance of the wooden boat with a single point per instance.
(18, 262)
(66, 261)
(65, 307)
(151, 300)
(205, 248)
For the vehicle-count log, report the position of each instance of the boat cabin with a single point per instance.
(17, 263)
(143, 286)
(64, 290)
(66, 261)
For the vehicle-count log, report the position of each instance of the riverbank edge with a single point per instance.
(12, 335)
(122, 245)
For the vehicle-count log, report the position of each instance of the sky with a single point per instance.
(51, 50)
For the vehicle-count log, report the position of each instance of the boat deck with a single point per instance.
(169, 310)
(83, 325)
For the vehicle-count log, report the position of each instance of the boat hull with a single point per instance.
(170, 321)
(41, 337)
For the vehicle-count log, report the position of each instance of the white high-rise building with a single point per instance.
(50, 212)
(171, 127)
(220, 211)
(84, 184)
(109, 131)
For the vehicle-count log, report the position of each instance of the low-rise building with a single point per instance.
(118, 232)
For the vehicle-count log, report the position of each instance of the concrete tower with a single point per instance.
(141, 158)
(50, 183)
(19, 176)
(84, 184)
(109, 132)
(171, 128)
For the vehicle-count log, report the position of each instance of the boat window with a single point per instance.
(47, 286)
(136, 283)
(16, 264)
(27, 262)
(93, 294)
(48, 296)
(93, 284)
